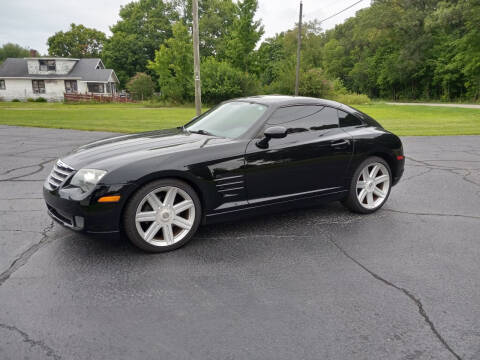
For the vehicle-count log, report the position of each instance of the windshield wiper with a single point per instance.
(201, 132)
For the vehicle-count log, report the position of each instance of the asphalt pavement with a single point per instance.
(318, 283)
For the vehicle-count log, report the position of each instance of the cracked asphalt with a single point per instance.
(319, 283)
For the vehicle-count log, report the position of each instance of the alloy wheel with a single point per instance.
(165, 216)
(373, 185)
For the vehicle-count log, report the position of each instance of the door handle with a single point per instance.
(340, 143)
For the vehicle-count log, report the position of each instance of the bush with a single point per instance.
(250, 85)
(141, 86)
(285, 80)
(15, 100)
(40, 99)
(156, 102)
(353, 99)
(339, 88)
(314, 83)
(221, 81)
(30, 99)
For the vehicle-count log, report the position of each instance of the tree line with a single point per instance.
(394, 49)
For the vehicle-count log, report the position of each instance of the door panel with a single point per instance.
(312, 159)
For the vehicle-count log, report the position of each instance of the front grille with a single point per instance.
(60, 173)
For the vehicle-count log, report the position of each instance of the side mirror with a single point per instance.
(273, 132)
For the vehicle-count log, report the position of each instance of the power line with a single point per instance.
(338, 13)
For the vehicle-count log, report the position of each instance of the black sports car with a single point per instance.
(244, 156)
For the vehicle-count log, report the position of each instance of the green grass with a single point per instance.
(402, 120)
(99, 117)
(425, 120)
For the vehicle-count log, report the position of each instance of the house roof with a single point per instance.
(87, 70)
(84, 69)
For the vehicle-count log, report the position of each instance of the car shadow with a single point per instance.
(230, 241)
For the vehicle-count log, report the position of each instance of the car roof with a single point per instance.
(284, 100)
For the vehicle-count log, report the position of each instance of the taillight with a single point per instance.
(400, 157)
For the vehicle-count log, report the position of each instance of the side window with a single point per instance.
(305, 118)
(348, 119)
(2, 85)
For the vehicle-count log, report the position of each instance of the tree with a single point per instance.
(270, 53)
(456, 64)
(78, 42)
(10, 50)
(216, 18)
(245, 34)
(124, 54)
(173, 65)
(143, 27)
(275, 54)
(141, 86)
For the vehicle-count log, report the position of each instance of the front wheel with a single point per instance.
(162, 216)
(370, 186)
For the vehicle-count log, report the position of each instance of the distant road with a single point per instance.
(465, 106)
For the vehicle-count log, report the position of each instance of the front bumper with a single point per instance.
(88, 214)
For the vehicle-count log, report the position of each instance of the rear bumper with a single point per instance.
(87, 215)
(397, 170)
(398, 176)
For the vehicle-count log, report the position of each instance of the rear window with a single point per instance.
(346, 119)
(364, 117)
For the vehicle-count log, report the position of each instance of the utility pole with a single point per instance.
(196, 60)
(299, 44)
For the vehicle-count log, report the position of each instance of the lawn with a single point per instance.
(425, 120)
(402, 120)
(99, 117)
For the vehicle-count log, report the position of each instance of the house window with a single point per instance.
(109, 88)
(47, 65)
(70, 86)
(96, 87)
(38, 86)
(2, 84)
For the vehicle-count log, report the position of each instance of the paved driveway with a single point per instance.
(321, 283)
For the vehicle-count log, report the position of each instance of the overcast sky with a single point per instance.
(30, 22)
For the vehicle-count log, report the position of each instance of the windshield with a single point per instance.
(229, 120)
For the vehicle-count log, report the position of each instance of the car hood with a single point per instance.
(111, 153)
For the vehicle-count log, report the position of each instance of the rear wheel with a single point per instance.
(370, 186)
(162, 216)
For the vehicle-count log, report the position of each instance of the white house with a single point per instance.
(48, 77)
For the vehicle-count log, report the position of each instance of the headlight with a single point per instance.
(86, 179)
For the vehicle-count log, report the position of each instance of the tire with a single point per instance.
(162, 215)
(367, 188)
